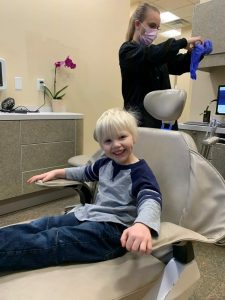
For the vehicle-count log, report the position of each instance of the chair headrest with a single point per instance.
(165, 105)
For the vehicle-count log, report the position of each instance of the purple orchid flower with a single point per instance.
(68, 63)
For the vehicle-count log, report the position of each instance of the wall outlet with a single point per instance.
(40, 83)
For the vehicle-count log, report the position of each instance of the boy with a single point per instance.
(125, 214)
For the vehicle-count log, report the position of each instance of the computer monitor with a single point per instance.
(220, 106)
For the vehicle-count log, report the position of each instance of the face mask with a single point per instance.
(148, 36)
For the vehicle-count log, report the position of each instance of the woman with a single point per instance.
(146, 67)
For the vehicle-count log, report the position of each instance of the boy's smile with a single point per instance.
(119, 147)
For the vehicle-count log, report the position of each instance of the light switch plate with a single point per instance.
(18, 83)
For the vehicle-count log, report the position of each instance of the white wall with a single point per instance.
(35, 34)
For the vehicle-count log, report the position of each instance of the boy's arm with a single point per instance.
(58, 173)
(138, 237)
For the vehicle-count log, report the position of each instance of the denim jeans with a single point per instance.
(51, 241)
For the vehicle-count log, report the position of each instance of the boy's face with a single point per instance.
(119, 147)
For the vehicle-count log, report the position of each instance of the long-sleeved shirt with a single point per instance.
(126, 193)
(146, 68)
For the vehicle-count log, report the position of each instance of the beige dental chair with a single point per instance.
(193, 210)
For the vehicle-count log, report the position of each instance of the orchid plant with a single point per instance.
(57, 95)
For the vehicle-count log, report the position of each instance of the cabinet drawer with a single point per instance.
(218, 158)
(10, 178)
(46, 155)
(44, 131)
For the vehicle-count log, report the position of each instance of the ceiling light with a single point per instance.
(171, 33)
(168, 17)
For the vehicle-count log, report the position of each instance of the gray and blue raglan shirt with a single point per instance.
(127, 194)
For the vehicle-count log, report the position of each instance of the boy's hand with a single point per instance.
(137, 238)
(60, 173)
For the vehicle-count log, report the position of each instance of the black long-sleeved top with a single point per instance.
(147, 68)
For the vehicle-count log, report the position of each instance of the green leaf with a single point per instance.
(48, 92)
(60, 97)
(57, 94)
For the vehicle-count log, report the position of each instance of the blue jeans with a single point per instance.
(51, 241)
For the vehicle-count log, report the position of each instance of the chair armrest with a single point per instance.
(171, 233)
(79, 160)
(80, 187)
(211, 140)
(58, 183)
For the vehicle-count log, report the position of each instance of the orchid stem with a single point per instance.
(55, 82)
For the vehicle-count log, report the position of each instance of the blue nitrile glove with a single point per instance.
(197, 52)
(208, 47)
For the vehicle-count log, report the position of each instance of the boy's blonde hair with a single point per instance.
(114, 120)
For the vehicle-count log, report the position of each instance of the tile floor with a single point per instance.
(210, 258)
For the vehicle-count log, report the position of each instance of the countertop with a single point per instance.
(198, 126)
(40, 116)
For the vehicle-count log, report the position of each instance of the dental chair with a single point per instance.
(193, 210)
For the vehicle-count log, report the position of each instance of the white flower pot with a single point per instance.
(58, 105)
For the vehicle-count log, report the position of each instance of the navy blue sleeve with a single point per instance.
(145, 185)
(92, 171)
(148, 196)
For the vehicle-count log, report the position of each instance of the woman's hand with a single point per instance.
(58, 173)
(137, 238)
(192, 41)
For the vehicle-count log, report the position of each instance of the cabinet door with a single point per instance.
(197, 136)
(47, 145)
(209, 22)
(10, 172)
(218, 158)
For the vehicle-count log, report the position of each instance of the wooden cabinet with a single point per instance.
(29, 147)
(208, 21)
(10, 159)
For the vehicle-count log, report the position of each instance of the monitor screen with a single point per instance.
(220, 106)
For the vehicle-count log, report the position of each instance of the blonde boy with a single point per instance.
(125, 215)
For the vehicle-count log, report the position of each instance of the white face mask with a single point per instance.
(148, 36)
